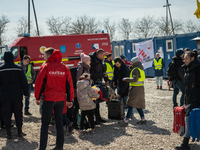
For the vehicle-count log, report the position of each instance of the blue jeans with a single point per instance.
(130, 111)
(178, 85)
(47, 108)
(124, 99)
(28, 98)
(187, 127)
(159, 79)
(66, 120)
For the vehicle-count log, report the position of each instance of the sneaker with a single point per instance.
(123, 122)
(142, 122)
(161, 87)
(157, 87)
(80, 132)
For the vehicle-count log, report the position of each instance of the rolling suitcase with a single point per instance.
(116, 110)
(179, 120)
(195, 124)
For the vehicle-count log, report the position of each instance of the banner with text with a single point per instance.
(145, 52)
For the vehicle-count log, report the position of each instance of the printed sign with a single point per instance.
(63, 49)
(145, 52)
(42, 48)
(95, 46)
(160, 51)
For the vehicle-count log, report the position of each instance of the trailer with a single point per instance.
(165, 44)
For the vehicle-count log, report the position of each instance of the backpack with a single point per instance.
(73, 71)
(171, 70)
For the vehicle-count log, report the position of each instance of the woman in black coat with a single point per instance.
(192, 86)
(123, 87)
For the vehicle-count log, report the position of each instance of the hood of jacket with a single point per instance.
(55, 57)
(8, 57)
(192, 65)
(80, 63)
(176, 58)
(138, 65)
(82, 84)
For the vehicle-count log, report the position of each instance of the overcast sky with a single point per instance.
(100, 9)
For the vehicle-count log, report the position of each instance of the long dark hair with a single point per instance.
(118, 59)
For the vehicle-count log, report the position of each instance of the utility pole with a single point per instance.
(35, 19)
(168, 9)
(29, 17)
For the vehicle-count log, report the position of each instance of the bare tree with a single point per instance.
(35, 33)
(59, 25)
(22, 26)
(145, 27)
(110, 28)
(84, 25)
(166, 28)
(3, 24)
(191, 27)
(125, 28)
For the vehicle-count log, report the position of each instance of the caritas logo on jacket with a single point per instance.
(56, 73)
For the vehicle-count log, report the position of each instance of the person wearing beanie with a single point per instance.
(123, 57)
(178, 80)
(136, 95)
(83, 67)
(158, 65)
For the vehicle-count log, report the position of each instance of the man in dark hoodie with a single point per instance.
(98, 72)
(177, 81)
(13, 83)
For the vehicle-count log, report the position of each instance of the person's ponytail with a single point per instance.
(195, 52)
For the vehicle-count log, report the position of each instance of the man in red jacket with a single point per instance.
(53, 82)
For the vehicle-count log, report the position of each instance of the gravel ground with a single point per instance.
(155, 135)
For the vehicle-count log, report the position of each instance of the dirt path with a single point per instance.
(156, 135)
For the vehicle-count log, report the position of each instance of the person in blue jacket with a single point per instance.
(158, 65)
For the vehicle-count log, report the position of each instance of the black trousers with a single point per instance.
(10, 107)
(90, 118)
(75, 111)
(97, 112)
(47, 108)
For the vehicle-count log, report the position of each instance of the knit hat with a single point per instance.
(135, 59)
(179, 52)
(122, 56)
(84, 58)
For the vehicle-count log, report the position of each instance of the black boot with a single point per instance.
(184, 145)
(2, 124)
(9, 136)
(27, 112)
(20, 131)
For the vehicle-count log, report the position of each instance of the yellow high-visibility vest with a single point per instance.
(140, 81)
(157, 64)
(110, 70)
(28, 74)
